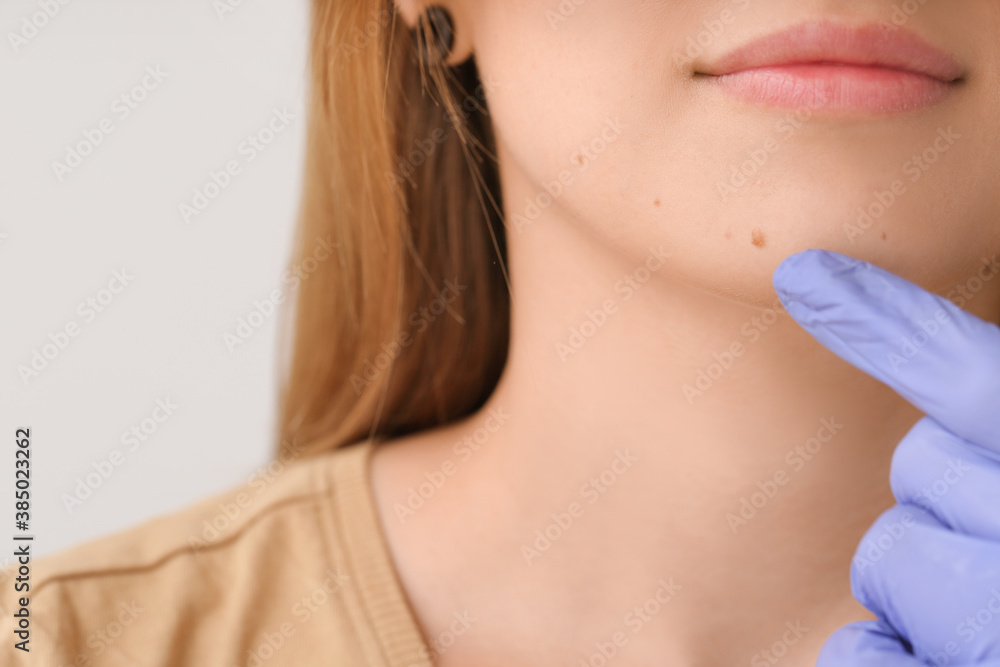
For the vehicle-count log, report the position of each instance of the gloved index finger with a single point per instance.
(943, 360)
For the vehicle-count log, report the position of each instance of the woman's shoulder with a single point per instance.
(219, 523)
(266, 568)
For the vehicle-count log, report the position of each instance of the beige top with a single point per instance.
(291, 568)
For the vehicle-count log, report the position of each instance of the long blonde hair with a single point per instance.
(404, 325)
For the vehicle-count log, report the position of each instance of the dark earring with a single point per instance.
(437, 34)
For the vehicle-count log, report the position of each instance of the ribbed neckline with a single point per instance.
(381, 612)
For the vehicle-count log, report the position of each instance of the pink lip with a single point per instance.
(832, 66)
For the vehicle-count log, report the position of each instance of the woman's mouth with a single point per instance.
(837, 67)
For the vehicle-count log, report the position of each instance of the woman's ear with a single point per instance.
(461, 34)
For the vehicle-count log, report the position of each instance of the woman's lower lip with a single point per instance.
(835, 87)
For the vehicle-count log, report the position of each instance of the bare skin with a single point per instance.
(785, 426)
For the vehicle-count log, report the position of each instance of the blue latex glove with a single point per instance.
(929, 567)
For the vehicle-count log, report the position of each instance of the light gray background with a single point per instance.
(60, 242)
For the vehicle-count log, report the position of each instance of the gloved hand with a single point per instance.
(929, 567)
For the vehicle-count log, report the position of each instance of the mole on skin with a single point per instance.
(757, 238)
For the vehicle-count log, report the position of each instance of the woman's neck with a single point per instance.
(645, 433)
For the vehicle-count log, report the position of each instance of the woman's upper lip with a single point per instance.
(871, 45)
